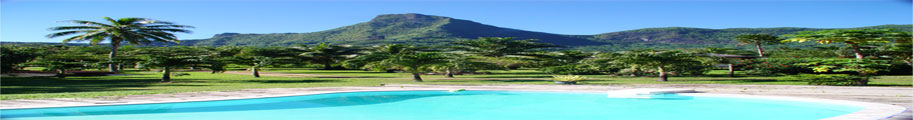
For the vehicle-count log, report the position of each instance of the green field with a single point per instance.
(139, 82)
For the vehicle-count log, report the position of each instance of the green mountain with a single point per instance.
(683, 35)
(426, 30)
(392, 29)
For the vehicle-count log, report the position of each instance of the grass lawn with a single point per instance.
(136, 83)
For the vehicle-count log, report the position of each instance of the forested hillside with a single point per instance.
(429, 30)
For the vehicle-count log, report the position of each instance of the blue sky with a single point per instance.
(28, 20)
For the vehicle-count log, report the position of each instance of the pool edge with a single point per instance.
(871, 111)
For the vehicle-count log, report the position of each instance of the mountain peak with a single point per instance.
(408, 17)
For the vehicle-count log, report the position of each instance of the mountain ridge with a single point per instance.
(430, 30)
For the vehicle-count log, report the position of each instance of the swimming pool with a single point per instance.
(474, 105)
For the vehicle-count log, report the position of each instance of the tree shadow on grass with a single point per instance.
(353, 77)
(537, 76)
(472, 81)
(517, 80)
(261, 81)
(338, 72)
(24, 85)
(292, 81)
(734, 80)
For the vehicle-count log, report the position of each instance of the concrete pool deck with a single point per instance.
(879, 101)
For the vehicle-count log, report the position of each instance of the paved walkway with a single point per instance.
(288, 74)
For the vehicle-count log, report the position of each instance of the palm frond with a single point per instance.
(65, 33)
(167, 30)
(169, 26)
(74, 28)
(84, 36)
(132, 21)
(88, 23)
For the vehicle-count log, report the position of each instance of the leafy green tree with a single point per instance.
(714, 50)
(661, 60)
(60, 59)
(462, 63)
(259, 61)
(218, 58)
(169, 62)
(608, 62)
(898, 51)
(854, 37)
(264, 57)
(567, 62)
(565, 57)
(715, 56)
(860, 67)
(168, 58)
(12, 56)
(415, 63)
(328, 55)
(380, 53)
(499, 47)
(130, 30)
(757, 40)
(814, 52)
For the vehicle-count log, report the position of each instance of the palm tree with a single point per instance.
(60, 62)
(380, 53)
(169, 62)
(414, 63)
(661, 60)
(854, 38)
(757, 40)
(460, 63)
(263, 57)
(499, 47)
(129, 30)
(217, 59)
(169, 58)
(328, 55)
(718, 55)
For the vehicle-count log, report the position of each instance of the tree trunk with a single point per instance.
(634, 73)
(760, 50)
(112, 55)
(731, 71)
(327, 66)
(856, 50)
(863, 82)
(449, 74)
(662, 75)
(417, 77)
(256, 72)
(908, 62)
(166, 74)
(61, 73)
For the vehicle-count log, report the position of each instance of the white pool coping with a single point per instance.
(870, 111)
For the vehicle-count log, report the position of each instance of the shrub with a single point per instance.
(829, 79)
(774, 66)
(570, 69)
(692, 69)
(568, 78)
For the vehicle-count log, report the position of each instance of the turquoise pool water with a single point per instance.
(443, 105)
